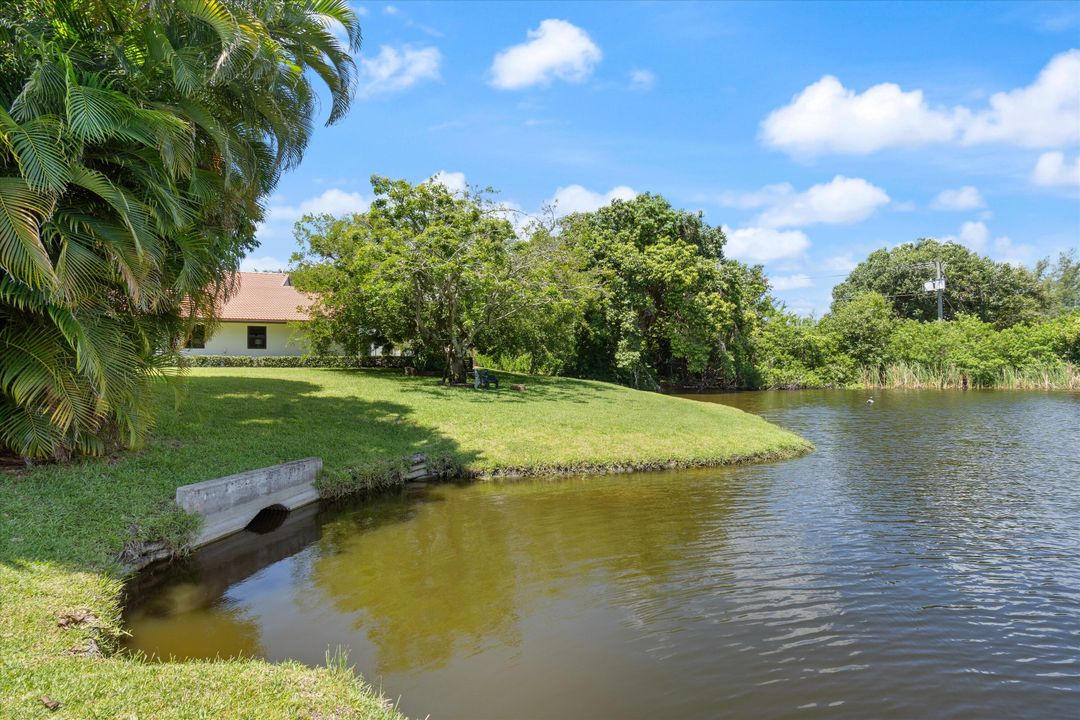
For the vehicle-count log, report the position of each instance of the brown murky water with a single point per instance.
(924, 562)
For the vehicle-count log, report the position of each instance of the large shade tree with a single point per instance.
(997, 293)
(670, 304)
(136, 142)
(441, 273)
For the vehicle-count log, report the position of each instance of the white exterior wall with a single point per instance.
(230, 338)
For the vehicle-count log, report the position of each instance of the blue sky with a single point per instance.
(814, 133)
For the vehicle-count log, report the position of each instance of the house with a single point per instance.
(260, 318)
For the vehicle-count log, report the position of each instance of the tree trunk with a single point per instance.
(457, 367)
(455, 360)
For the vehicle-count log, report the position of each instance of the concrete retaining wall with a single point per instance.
(228, 504)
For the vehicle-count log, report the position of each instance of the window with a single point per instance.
(197, 339)
(256, 337)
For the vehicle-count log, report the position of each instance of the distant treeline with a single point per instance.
(862, 342)
(641, 293)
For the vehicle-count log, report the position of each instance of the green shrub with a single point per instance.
(522, 363)
(860, 344)
(302, 361)
(794, 352)
(384, 474)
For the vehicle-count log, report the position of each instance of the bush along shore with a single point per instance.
(67, 530)
(1063, 376)
(862, 343)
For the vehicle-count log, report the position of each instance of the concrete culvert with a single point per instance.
(228, 504)
(269, 519)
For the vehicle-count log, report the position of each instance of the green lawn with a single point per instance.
(62, 528)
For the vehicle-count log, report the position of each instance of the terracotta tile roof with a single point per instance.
(265, 296)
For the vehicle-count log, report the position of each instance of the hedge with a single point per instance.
(302, 361)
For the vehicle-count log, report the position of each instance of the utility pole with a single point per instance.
(936, 285)
(939, 285)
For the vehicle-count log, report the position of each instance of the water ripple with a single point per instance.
(922, 563)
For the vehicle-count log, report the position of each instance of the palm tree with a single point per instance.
(137, 140)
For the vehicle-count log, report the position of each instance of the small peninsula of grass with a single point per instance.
(63, 528)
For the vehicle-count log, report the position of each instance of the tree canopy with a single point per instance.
(667, 294)
(136, 143)
(998, 293)
(1061, 282)
(425, 269)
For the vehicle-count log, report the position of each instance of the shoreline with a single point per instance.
(62, 583)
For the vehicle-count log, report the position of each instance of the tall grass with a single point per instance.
(1064, 376)
(1059, 377)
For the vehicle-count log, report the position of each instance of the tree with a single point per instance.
(136, 140)
(423, 268)
(792, 352)
(543, 342)
(1061, 282)
(998, 293)
(863, 326)
(661, 298)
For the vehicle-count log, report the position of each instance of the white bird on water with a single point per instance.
(870, 401)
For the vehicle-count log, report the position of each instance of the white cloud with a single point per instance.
(642, 79)
(974, 234)
(761, 245)
(1043, 114)
(790, 282)
(1053, 169)
(555, 50)
(409, 22)
(768, 195)
(840, 263)
(333, 202)
(841, 201)
(575, 198)
(964, 198)
(1005, 250)
(261, 264)
(827, 117)
(453, 181)
(395, 69)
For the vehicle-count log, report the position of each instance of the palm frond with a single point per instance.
(22, 209)
(93, 113)
(38, 150)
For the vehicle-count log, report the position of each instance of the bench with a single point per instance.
(484, 379)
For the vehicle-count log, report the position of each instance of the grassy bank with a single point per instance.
(62, 529)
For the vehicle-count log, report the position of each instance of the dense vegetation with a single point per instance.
(997, 293)
(669, 308)
(1006, 326)
(863, 342)
(136, 142)
(641, 293)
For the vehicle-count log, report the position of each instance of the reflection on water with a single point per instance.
(923, 562)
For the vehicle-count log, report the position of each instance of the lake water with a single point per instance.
(923, 562)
